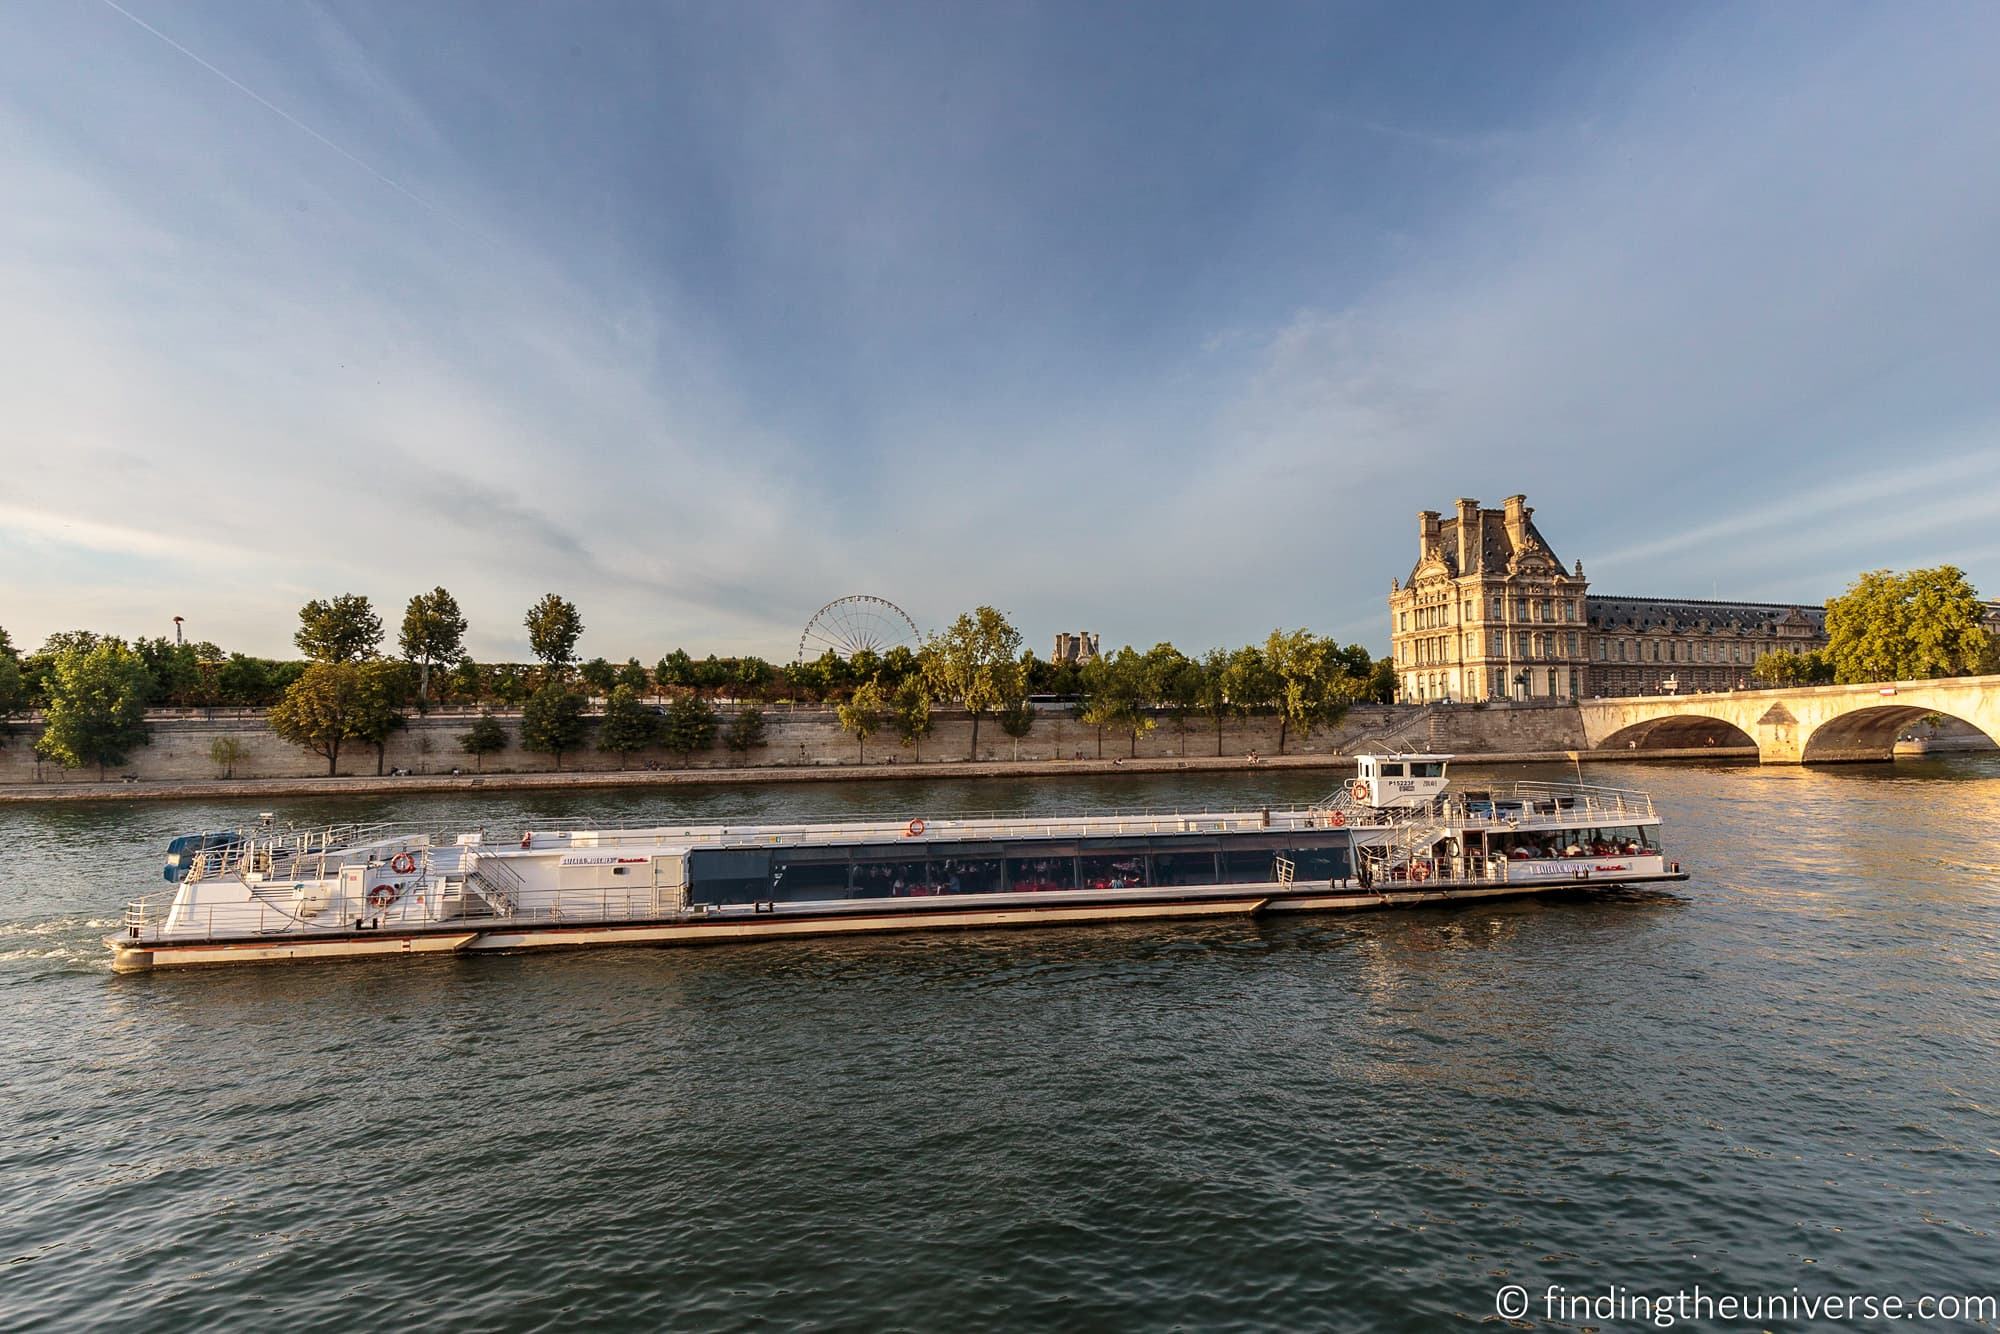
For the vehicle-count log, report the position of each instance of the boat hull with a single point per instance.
(807, 920)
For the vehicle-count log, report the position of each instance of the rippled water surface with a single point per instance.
(1784, 1072)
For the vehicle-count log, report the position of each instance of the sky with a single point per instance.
(1159, 320)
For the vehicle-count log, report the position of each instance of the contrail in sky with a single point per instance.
(272, 107)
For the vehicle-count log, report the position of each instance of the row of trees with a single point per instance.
(1918, 625)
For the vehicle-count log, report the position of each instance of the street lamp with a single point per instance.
(177, 632)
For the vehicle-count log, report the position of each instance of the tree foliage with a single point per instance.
(973, 664)
(487, 737)
(861, 715)
(341, 629)
(745, 731)
(1783, 667)
(554, 626)
(628, 725)
(1314, 683)
(96, 712)
(333, 703)
(1912, 626)
(433, 635)
(911, 716)
(552, 721)
(689, 726)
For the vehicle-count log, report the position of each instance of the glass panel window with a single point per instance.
(1184, 868)
(1115, 870)
(1030, 875)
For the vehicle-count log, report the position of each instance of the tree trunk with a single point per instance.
(1218, 736)
(333, 760)
(1100, 742)
(381, 753)
(1135, 744)
(1283, 723)
(424, 680)
(975, 735)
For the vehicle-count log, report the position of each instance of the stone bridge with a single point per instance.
(1794, 724)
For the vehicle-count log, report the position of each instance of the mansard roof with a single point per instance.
(1608, 611)
(1495, 550)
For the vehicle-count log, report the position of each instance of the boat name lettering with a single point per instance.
(599, 859)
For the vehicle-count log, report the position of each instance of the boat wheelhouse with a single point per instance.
(1391, 836)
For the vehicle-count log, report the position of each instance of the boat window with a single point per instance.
(970, 875)
(1320, 863)
(1118, 870)
(1392, 770)
(728, 875)
(795, 879)
(1038, 874)
(903, 877)
(1426, 769)
(1245, 866)
(1183, 868)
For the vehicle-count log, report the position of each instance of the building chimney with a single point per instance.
(1468, 536)
(1517, 521)
(1427, 532)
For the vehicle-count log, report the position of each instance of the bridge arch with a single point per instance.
(1871, 732)
(1678, 731)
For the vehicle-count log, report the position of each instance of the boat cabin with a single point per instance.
(1396, 782)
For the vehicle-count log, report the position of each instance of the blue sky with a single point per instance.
(1157, 320)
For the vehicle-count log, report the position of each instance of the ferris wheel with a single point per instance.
(848, 625)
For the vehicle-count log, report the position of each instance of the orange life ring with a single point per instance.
(915, 828)
(402, 863)
(1336, 820)
(382, 896)
(1419, 871)
(1357, 788)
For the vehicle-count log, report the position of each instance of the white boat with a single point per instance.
(1392, 836)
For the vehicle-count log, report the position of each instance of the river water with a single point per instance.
(1784, 1073)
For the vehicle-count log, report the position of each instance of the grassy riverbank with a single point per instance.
(369, 785)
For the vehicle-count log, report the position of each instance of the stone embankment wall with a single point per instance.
(180, 748)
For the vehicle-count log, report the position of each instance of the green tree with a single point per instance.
(1783, 667)
(553, 629)
(1249, 682)
(13, 688)
(225, 753)
(343, 629)
(245, 682)
(634, 675)
(912, 716)
(330, 704)
(386, 688)
(1098, 704)
(1174, 682)
(175, 669)
(1016, 718)
(433, 635)
(745, 731)
(690, 726)
(96, 712)
(676, 669)
(552, 721)
(973, 664)
(599, 675)
(861, 716)
(1313, 683)
(753, 677)
(1213, 697)
(1131, 684)
(627, 726)
(509, 684)
(465, 683)
(899, 664)
(487, 737)
(1912, 626)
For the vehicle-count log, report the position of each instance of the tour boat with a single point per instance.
(1392, 836)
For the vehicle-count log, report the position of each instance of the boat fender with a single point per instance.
(402, 863)
(382, 896)
(915, 829)
(527, 840)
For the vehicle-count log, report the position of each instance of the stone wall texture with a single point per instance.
(180, 748)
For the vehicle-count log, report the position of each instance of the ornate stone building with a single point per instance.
(1489, 612)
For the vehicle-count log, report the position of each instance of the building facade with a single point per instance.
(1080, 647)
(1490, 612)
